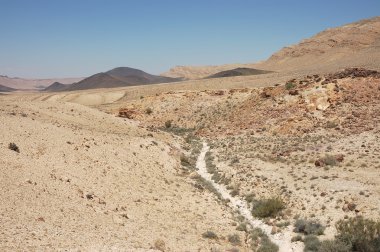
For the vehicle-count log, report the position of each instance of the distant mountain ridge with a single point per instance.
(55, 87)
(241, 71)
(117, 77)
(33, 84)
(6, 89)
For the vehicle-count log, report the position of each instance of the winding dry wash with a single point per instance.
(283, 239)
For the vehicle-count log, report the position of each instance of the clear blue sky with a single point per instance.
(69, 38)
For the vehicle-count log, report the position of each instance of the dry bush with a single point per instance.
(267, 207)
(209, 235)
(308, 227)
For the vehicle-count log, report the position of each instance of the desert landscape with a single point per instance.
(279, 155)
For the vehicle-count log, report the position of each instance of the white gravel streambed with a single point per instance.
(282, 239)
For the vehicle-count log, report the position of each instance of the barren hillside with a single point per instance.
(351, 45)
(74, 178)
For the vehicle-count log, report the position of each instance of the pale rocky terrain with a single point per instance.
(86, 180)
(273, 141)
(115, 169)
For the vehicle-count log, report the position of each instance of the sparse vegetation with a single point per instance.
(267, 245)
(331, 124)
(185, 160)
(354, 235)
(209, 235)
(179, 131)
(242, 227)
(234, 239)
(296, 238)
(363, 235)
(330, 160)
(203, 184)
(267, 207)
(289, 85)
(312, 243)
(308, 227)
(250, 197)
(260, 241)
(334, 246)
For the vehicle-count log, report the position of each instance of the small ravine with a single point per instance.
(282, 239)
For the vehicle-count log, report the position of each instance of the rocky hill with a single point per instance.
(119, 77)
(241, 71)
(356, 44)
(55, 87)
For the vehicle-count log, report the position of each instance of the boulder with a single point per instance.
(127, 113)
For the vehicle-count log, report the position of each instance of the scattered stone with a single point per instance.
(351, 206)
(90, 196)
(293, 92)
(274, 230)
(14, 147)
(127, 113)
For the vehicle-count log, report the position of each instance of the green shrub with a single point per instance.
(312, 243)
(296, 238)
(267, 207)
(362, 234)
(209, 235)
(260, 241)
(267, 245)
(249, 197)
(331, 124)
(289, 85)
(184, 160)
(179, 131)
(308, 227)
(234, 239)
(190, 138)
(330, 160)
(334, 246)
(242, 227)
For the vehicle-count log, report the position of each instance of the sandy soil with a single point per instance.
(86, 180)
